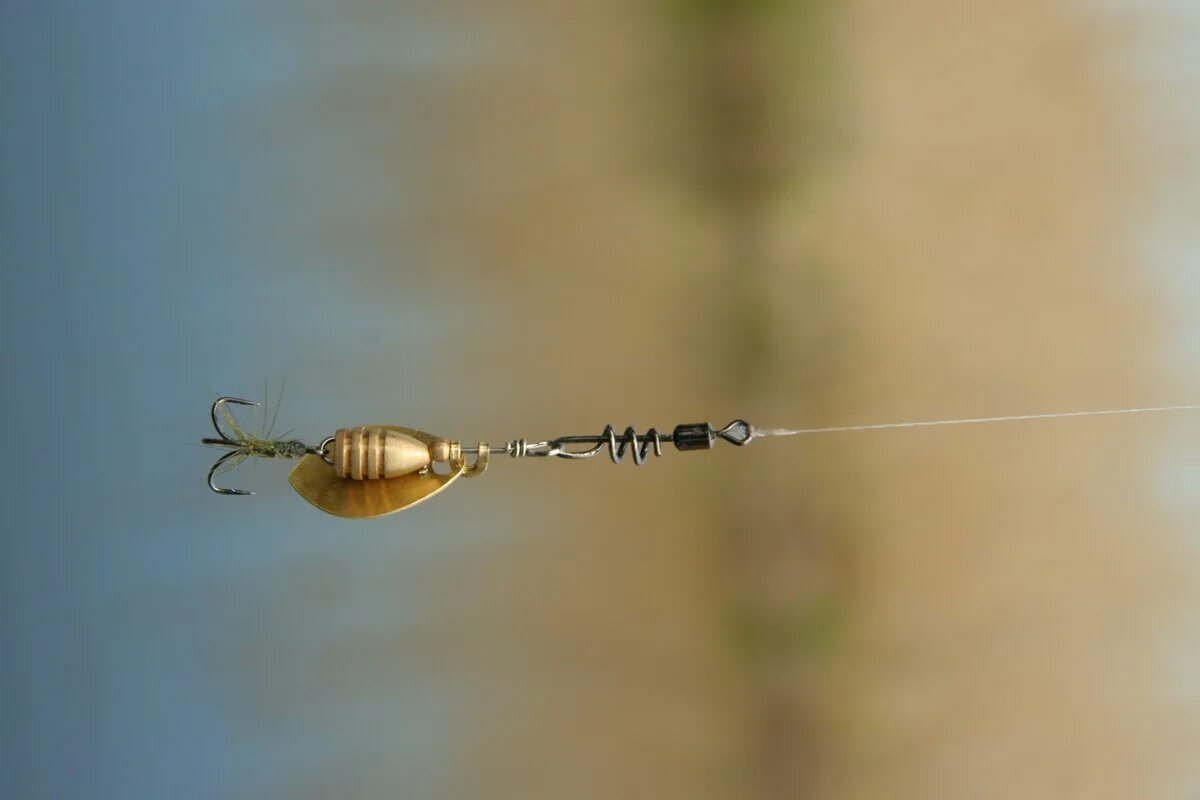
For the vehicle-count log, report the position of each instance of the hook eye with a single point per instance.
(323, 450)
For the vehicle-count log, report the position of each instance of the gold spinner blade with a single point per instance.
(317, 480)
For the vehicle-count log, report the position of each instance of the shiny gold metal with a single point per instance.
(439, 451)
(481, 462)
(318, 483)
(374, 451)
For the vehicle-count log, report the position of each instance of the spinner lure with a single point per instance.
(373, 470)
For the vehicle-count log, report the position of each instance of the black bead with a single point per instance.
(697, 436)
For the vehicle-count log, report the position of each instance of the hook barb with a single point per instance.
(217, 406)
(213, 471)
(225, 440)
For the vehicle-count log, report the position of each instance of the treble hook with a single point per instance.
(237, 446)
(243, 445)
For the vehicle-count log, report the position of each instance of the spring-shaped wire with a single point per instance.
(629, 439)
(639, 446)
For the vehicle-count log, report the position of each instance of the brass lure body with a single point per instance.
(379, 469)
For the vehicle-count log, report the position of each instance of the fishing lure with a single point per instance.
(373, 470)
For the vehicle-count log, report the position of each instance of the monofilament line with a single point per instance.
(973, 421)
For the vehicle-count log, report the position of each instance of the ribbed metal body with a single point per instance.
(369, 453)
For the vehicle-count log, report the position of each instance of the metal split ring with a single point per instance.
(322, 449)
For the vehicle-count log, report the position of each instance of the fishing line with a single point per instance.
(966, 421)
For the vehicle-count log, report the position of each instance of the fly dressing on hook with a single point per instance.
(373, 470)
(242, 445)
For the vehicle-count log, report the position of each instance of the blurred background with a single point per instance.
(534, 218)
